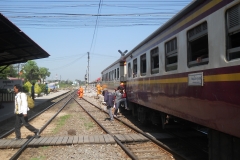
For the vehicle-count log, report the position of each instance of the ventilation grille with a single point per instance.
(198, 30)
(233, 17)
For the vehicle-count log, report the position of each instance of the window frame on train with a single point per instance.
(129, 70)
(154, 60)
(198, 47)
(143, 64)
(171, 55)
(134, 74)
(112, 74)
(117, 73)
(233, 32)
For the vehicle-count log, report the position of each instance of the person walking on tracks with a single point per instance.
(21, 108)
(109, 99)
(99, 90)
(80, 91)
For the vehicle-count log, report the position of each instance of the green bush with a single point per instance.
(43, 87)
(37, 89)
(27, 87)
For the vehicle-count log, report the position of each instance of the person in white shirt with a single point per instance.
(21, 108)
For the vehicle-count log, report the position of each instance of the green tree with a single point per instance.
(9, 71)
(43, 73)
(31, 71)
(27, 87)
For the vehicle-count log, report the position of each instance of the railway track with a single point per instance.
(8, 127)
(23, 143)
(134, 142)
(181, 142)
(144, 148)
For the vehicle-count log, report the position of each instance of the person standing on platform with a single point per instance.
(46, 89)
(33, 91)
(80, 92)
(21, 108)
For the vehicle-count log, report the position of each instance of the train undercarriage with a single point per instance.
(220, 145)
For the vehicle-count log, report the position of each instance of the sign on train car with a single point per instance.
(9, 84)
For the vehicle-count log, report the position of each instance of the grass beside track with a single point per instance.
(61, 122)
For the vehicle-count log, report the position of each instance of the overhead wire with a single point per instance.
(95, 39)
(96, 24)
(78, 14)
(74, 13)
(69, 64)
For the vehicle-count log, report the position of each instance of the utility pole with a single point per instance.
(88, 71)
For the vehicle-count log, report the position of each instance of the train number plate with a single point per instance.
(195, 79)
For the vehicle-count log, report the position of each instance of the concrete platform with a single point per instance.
(8, 110)
(52, 95)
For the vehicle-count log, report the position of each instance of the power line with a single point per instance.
(69, 64)
(96, 24)
(79, 14)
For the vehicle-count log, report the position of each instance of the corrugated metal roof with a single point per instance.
(16, 46)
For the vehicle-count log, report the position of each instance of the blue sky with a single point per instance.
(68, 29)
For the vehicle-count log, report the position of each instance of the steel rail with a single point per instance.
(128, 152)
(11, 130)
(146, 135)
(24, 146)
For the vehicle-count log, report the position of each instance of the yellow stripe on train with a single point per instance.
(212, 78)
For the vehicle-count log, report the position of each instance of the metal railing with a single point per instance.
(7, 97)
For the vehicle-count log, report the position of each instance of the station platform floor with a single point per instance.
(8, 110)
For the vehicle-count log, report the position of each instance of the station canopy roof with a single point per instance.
(16, 46)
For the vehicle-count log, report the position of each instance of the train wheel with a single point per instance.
(156, 118)
(134, 110)
(163, 120)
(142, 115)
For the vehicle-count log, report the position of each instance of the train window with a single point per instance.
(106, 76)
(143, 65)
(112, 74)
(233, 38)
(117, 73)
(154, 61)
(135, 68)
(171, 55)
(198, 45)
(129, 70)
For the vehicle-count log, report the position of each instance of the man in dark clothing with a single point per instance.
(32, 91)
(46, 89)
(109, 99)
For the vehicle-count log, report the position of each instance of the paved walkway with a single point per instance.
(39, 100)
